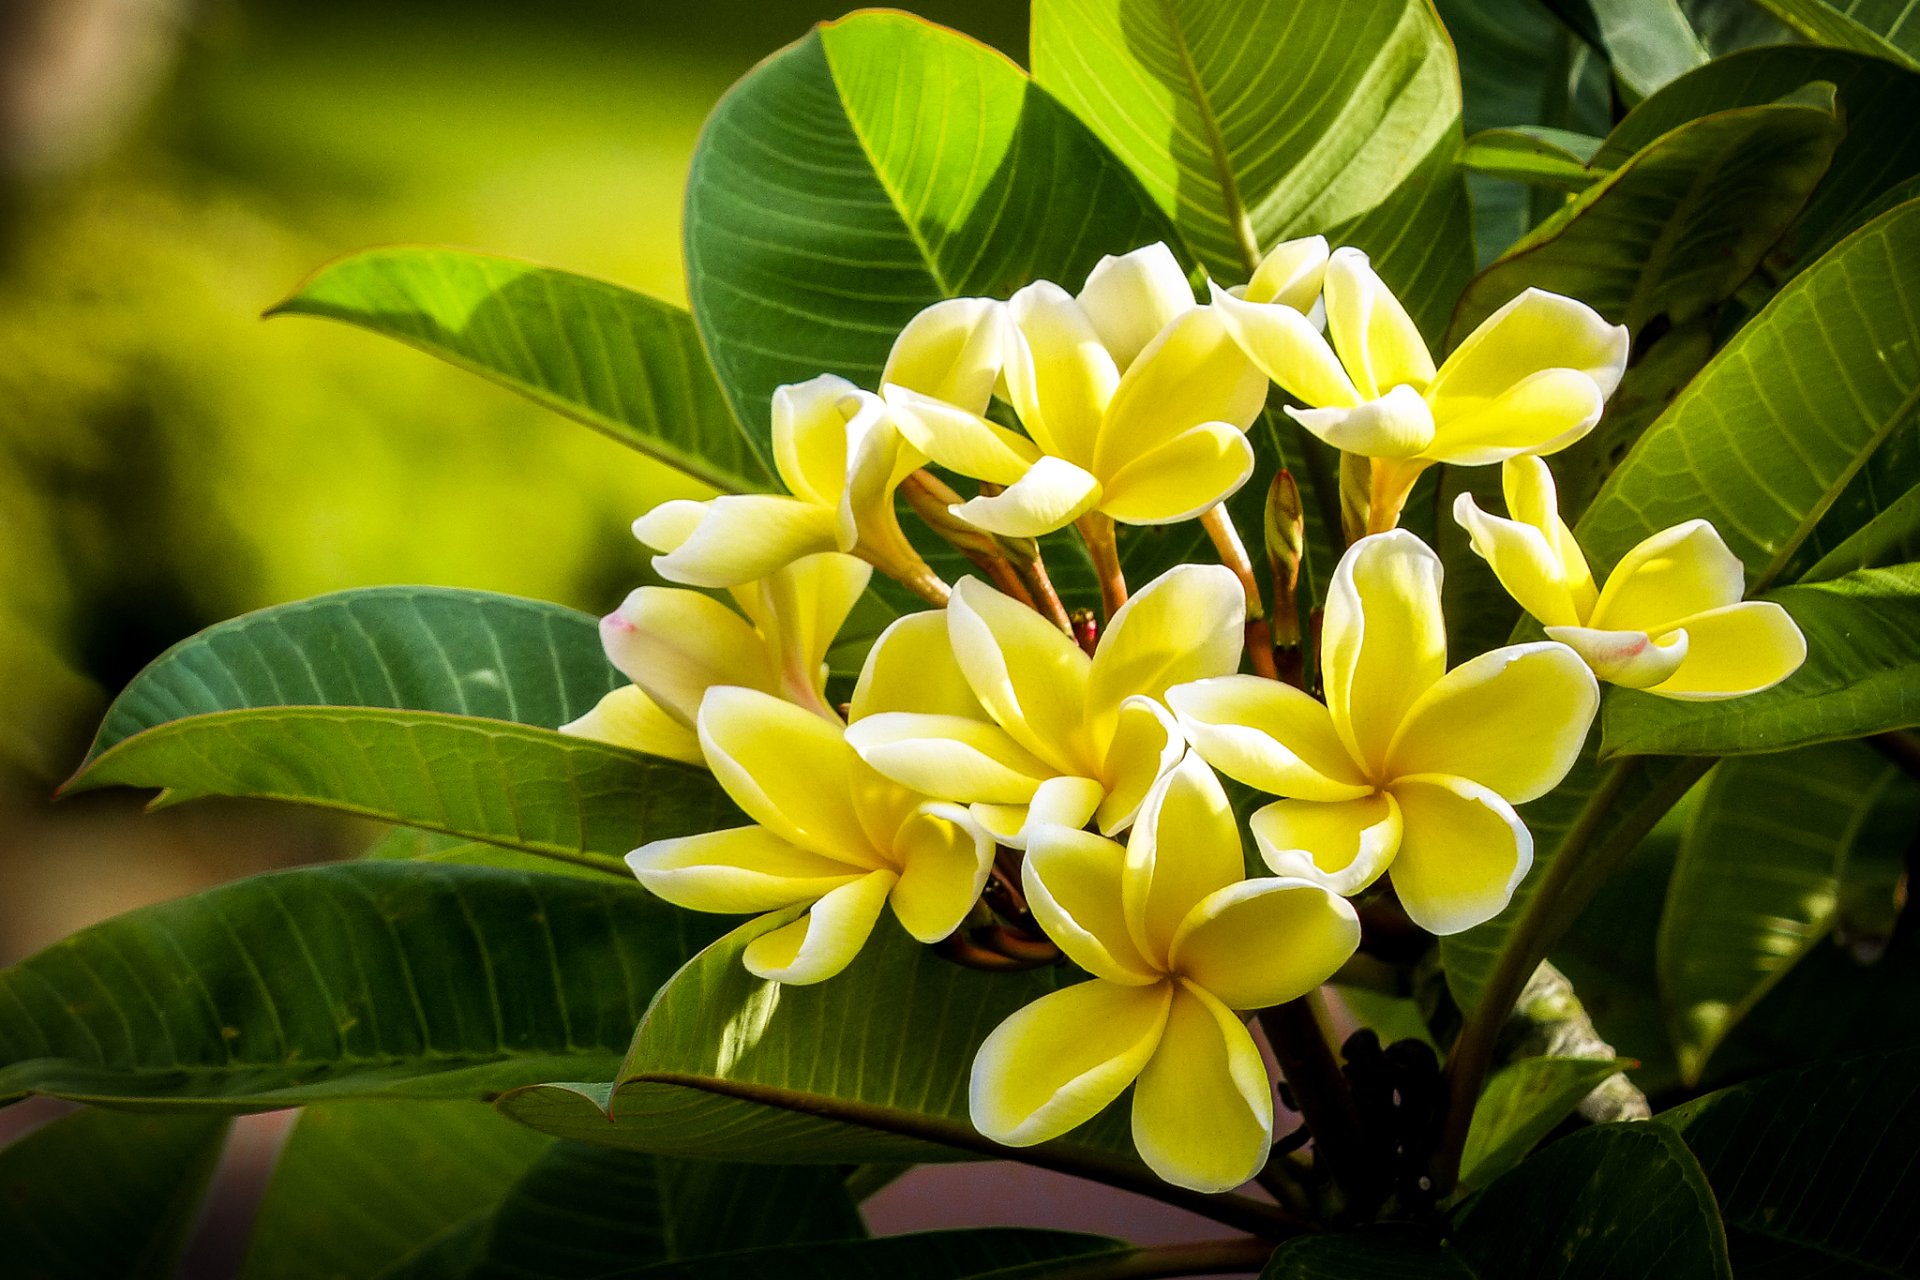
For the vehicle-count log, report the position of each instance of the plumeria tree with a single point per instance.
(1246, 640)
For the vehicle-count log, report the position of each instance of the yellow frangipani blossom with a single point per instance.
(830, 835)
(1670, 619)
(1135, 402)
(1178, 941)
(1407, 765)
(1531, 379)
(986, 703)
(841, 458)
(676, 644)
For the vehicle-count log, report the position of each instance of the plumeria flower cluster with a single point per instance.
(999, 737)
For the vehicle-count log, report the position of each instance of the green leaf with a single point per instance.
(1806, 1165)
(1768, 439)
(583, 1211)
(732, 1066)
(102, 1193)
(1678, 226)
(425, 706)
(1647, 42)
(1369, 1256)
(1879, 152)
(1862, 676)
(1253, 123)
(361, 980)
(1891, 537)
(625, 364)
(1521, 1105)
(874, 167)
(1617, 1200)
(1884, 28)
(1529, 155)
(927, 1255)
(359, 1186)
(1761, 875)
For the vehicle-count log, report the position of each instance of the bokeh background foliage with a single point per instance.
(1729, 179)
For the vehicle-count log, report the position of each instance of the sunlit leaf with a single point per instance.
(1521, 1105)
(1884, 28)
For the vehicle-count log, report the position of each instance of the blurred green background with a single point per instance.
(170, 168)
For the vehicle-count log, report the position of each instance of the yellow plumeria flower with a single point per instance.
(1670, 619)
(1135, 402)
(1177, 941)
(676, 644)
(986, 703)
(841, 458)
(830, 835)
(1407, 765)
(1531, 379)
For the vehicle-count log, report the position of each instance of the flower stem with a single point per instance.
(1205, 1258)
(1299, 1042)
(1096, 530)
(1024, 558)
(1233, 554)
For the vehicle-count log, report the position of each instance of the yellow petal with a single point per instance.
(1291, 274)
(1345, 845)
(880, 458)
(1533, 553)
(1058, 1062)
(1132, 297)
(790, 770)
(1540, 414)
(666, 526)
(745, 536)
(911, 667)
(1184, 845)
(738, 870)
(1268, 735)
(1060, 801)
(1535, 331)
(1146, 743)
(1512, 720)
(676, 644)
(826, 939)
(628, 718)
(810, 435)
(951, 351)
(960, 441)
(1674, 574)
(1059, 373)
(1187, 624)
(1383, 642)
(1203, 1110)
(1284, 344)
(799, 610)
(1191, 373)
(1051, 495)
(1072, 880)
(1029, 676)
(1739, 649)
(943, 856)
(1397, 425)
(1462, 851)
(1631, 659)
(951, 757)
(1264, 942)
(1180, 479)
(1375, 337)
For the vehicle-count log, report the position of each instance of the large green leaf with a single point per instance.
(427, 706)
(581, 1212)
(1879, 152)
(1862, 676)
(368, 979)
(997, 1252)
(1356, 1256)
(358, 1186)
(1761, 875)
(1647, 42)
(872, 168)
(623, 363)
(1252, 123)
(1521, 1105)
(101, 1193)
(1884, 28)
(1811, 1166)
(1612, 1201)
